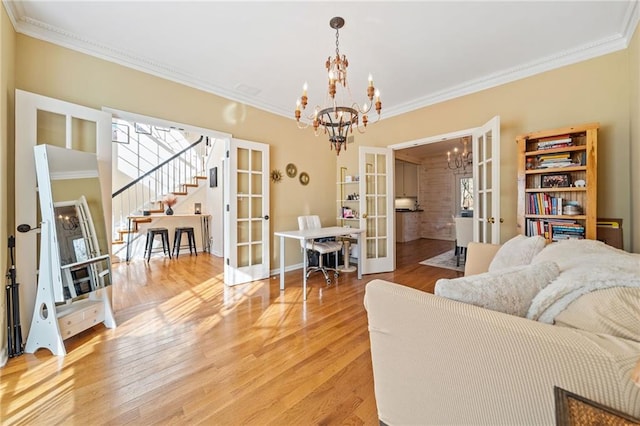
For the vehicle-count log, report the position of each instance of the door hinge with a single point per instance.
(227, 207)
(227, 261)
(227, 153)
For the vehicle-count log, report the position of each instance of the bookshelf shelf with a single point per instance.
(555, 150)
(566, 155)
(556, 170)
(570, 189)
(347, 205)
(550, 217)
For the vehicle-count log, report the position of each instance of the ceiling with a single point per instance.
(261, 53)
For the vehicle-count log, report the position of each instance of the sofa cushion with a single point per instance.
(614, 311)
(509, 290)
(519, 250)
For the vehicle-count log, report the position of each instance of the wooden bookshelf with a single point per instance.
(550, 162)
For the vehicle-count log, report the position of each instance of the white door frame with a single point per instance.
(27, 106)
(470, 132)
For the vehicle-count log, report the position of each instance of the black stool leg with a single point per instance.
(192, 243)
(150, 239)
(166, 235)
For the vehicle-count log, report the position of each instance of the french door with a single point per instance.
(486, 175)
(246, 224)
(377, 209)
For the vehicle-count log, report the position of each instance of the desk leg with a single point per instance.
(204, 227)
(360, 256)
(304, 271)
(281, 263)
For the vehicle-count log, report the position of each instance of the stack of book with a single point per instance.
(540, 203)
(555, 142)
(566, 230)
(555, 229)
(561, 159)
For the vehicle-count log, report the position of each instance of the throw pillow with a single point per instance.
(510, 290)
(614, 311)
(517, 251)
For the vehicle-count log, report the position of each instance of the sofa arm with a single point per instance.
(479, 257)
(438, 361)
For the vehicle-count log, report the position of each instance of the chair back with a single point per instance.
(308, 222)
(464, 231)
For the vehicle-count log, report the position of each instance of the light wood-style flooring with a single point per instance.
(190, 350)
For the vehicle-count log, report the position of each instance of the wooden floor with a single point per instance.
(189, 350)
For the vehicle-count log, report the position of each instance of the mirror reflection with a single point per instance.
(71, 204)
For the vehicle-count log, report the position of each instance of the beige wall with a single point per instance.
(596, 90)
(85, 80)
(7, 43)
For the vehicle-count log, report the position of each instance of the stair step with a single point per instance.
(200, 177)
(144, 220)
(191, 185)
(179, 193)
(118, 242)
(155, 211)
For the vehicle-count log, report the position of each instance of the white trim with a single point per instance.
(432, 139)
(160, 122)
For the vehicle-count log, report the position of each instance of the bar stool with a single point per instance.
(151, 235)
(191, 240)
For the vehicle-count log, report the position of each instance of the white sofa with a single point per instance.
(440, 361)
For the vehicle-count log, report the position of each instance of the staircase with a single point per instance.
(154, 165)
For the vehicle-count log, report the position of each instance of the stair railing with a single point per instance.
(171, 176)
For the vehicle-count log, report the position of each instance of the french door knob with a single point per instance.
(266, 217)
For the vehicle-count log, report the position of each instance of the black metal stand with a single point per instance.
(14, 329)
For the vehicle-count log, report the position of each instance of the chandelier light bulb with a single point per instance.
(304, 88)
(370, 80)
(461, 160)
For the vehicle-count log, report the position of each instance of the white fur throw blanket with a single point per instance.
(585, 266)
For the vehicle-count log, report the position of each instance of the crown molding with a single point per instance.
(49, 33)
(549, 63)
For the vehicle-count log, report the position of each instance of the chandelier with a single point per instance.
(338, 120)
(460, 160)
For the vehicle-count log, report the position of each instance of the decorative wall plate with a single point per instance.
(276, 176)
(292, 170)
(304, 178)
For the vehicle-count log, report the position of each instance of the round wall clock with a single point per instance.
(304, 178)
(292, 170)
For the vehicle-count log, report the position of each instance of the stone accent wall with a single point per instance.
(437, 198)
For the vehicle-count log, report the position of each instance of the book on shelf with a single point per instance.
(554, 142)
(540, 203)
(555, 229)
(566, 231)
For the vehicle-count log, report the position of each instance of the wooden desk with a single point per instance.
(204, 226)
(311, 234)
